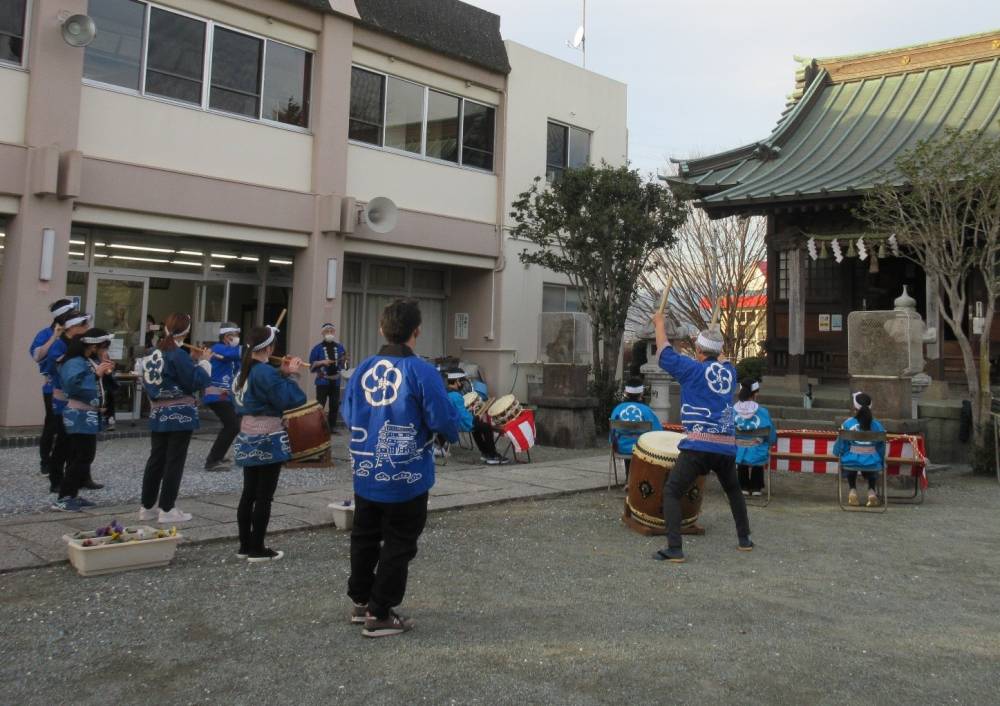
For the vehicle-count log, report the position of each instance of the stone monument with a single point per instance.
(564, 415)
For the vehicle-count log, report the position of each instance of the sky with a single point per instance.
(708, 75)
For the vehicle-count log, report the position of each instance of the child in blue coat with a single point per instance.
(752, 452)
(631, 409)
(482, 433)
(39, 348)
(861, 454)
(80, 376)
(218, 395)
(263, 394)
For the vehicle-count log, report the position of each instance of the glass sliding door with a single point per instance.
(211, 302)
(119, 307)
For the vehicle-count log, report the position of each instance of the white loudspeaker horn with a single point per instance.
(380, 214)
(78, 30)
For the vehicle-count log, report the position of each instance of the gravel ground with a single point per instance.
(548, 602)
(120, 462)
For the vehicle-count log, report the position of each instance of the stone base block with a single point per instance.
(891, 397)
(566, 423)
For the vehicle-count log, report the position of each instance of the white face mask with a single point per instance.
(234, 341)
(329, 338)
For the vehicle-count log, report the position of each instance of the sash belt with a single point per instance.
(249, 424)
(173, 402)
(81, 406)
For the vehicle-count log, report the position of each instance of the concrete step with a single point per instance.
(822, 414)
(817, 424)
(769, 399)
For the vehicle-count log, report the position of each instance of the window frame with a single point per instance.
(569, 140)
(204, 105)
(25, 39)
(566, 289)
(422, 155)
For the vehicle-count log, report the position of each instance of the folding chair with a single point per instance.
(858, 435)
(627, 428)
(751, 437)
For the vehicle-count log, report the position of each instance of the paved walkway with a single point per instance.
(31, 540)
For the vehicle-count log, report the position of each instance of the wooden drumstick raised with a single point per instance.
(666, 293)
(716, 313)
(283, 358)
(196, 349)
(281, 317)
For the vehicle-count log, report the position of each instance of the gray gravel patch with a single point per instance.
(550, 602)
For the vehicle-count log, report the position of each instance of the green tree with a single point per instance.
(943, 205)
(598, 226)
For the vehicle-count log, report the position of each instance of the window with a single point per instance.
(442, 126)
(367, 99)
(428, 280)
(387, 276)
(236, 64)
(250, 76)
(287, 78)
(176, 56)
(420, 120)
(115, 55)
(12, 17)
(404, 115)
(477, 136)
(822, 278)
(783, 275)
(560, 298)
(566, 148)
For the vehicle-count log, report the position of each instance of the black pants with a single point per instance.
(48, 430)
(330, 393)
(230, 428)
(162, 478)
(83, 449)
(870, 476)
(482, 434)
(383, 543)
(751, 477)
(60, 454)
(690, 465)
(254, 510)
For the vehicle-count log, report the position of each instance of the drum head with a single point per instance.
(470, 398)
(502, 405)
(661, 443)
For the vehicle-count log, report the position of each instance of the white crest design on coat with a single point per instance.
(719, 378)
(381, 384)
(630, 414)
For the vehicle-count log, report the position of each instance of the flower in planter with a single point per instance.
(88, 543)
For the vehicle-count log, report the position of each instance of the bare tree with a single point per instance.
(944, 208)
(712, 260)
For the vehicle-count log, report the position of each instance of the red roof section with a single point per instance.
(745, 301)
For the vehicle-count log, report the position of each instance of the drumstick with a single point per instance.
(666, 291)
(281, 317)
(716, 312)
(283, 358)
(200, 350)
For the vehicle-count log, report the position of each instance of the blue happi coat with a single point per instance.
(37, 342)
(756, 455)
(80, 383)
(327, 374)
(181, 377)
(706, 401)
(856, 454)
(224, 370)
(267, 393)
(631, 412)
(50, 367)
(465, 420)
(394, 404)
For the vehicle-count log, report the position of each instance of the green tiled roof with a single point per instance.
(839, 137)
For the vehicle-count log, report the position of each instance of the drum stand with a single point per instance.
(321, 462)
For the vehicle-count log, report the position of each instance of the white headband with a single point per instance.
(634, 389)
(707, 344)
(854, 399)
(228, 330)
(755, 386)
(77, 320)
(97, 339)
(64, 309)
(269, 340)
(456, 376)
(182, 333)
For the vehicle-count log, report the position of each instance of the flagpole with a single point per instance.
(584, 47)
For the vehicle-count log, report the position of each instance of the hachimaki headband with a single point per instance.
(274, 330)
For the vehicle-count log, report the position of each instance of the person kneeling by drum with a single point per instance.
(482, 433)
(262, 394)
(631, 409)
(707, 387)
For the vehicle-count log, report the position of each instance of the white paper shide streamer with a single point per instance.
(862, 250)
(811, 247)
(838, 255)
(894, 245)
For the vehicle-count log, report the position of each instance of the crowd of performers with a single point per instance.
(396, 406)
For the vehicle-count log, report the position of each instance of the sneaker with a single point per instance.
(756, 493)
(746, 544)
(242, 553)
(266, 555)
(392, 624)
(44, 467)
(83, 502)
(671, 554)
(852, 498)
(90, 484)
(67, 505)
(218, 466)
(110, 424)
(172, 516)
(495, 461)
(359, 611)
(148, 515)
(873, 500)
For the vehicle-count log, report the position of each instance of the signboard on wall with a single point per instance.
(116, 351)
(461, 326)
(824, 322)
(836, 322)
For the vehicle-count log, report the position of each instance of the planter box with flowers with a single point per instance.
(119, 548)
(343, 514)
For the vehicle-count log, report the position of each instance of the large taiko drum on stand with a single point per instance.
(653, 458)
(308, 432)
